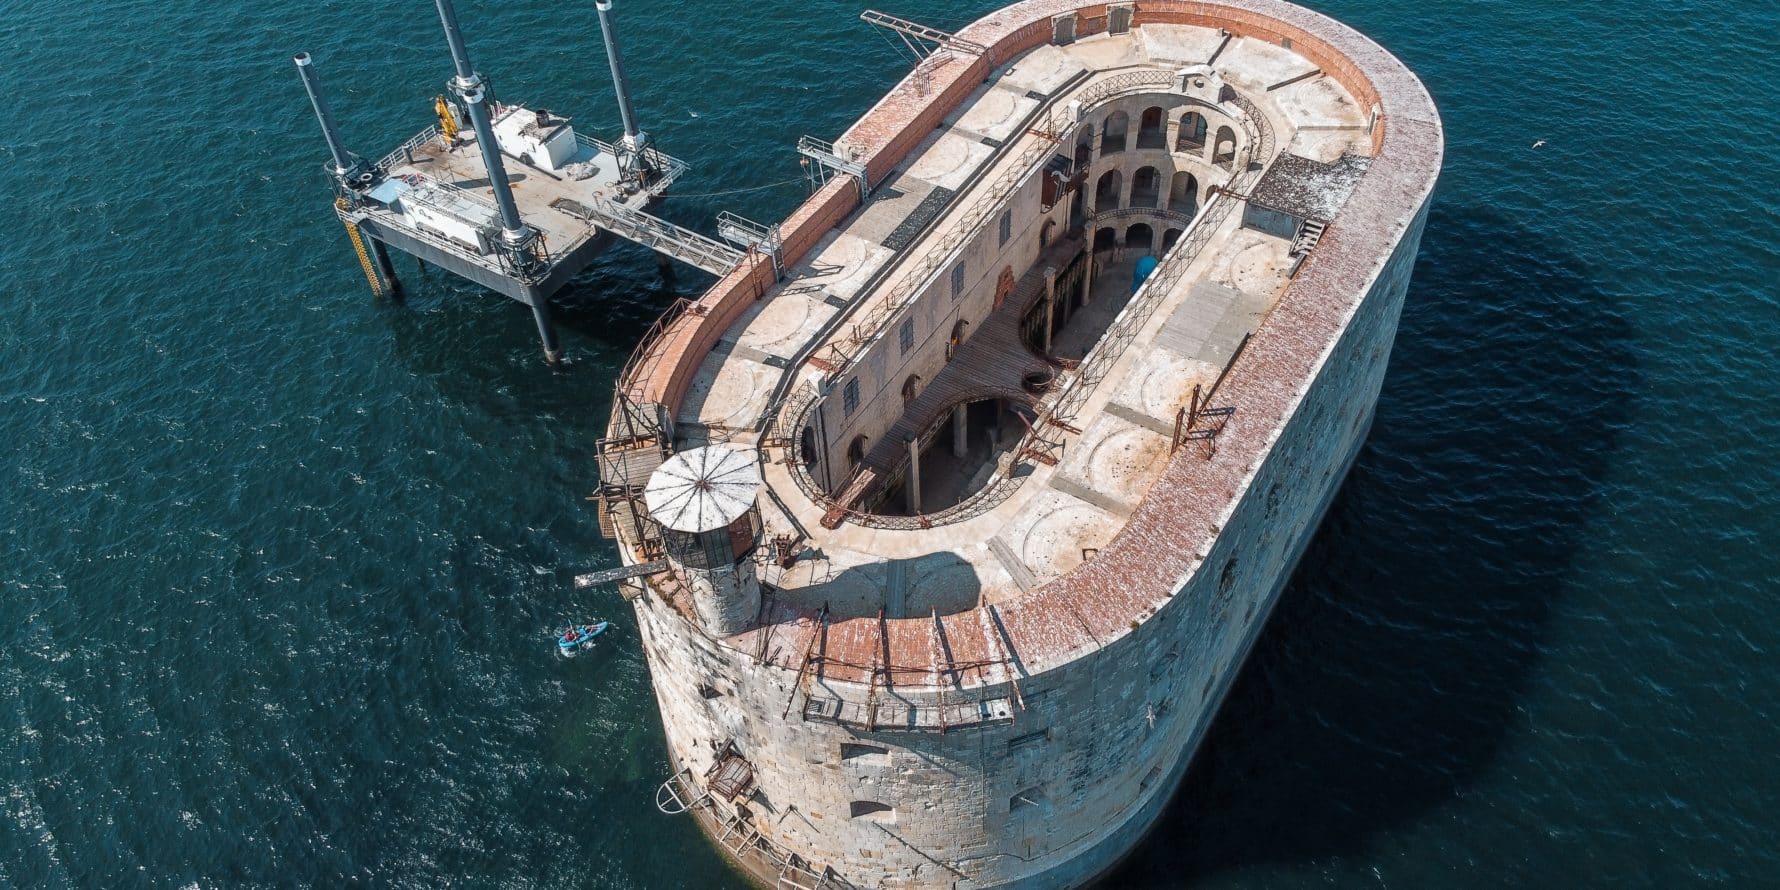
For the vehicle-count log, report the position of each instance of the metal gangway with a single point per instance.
(917, 36)
(658, 234)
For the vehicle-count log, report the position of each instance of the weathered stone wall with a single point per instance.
(1057, 794)
(1124, 678)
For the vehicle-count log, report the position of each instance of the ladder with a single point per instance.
(1308, 235)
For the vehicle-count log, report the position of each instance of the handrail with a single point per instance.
(879, 317)
(669, 166)
(1063, 402)
(388, 161)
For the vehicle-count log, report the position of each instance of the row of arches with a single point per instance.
(1190, 138)
(1146, 191)
(1137, 236)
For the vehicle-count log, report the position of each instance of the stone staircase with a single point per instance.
(1308, 235)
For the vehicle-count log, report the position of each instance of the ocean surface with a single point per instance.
(279, 563)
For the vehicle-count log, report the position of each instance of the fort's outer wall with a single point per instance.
(1104, 738)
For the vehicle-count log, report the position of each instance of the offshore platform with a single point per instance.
(519, 200)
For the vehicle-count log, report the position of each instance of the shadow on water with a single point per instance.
(475, 344)
(1388, 679)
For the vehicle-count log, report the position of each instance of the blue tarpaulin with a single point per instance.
(1145, 265)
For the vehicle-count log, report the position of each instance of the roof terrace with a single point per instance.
(1158, 399)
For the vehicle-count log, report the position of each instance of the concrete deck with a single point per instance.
(1059, 515)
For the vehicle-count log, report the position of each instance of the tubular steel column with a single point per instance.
(634, 139)
(388, 268)
(516, 236)
(344, 162)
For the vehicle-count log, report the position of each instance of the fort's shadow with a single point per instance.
(904, 588)
(1387, 681)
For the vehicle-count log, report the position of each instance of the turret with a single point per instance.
(705, 502)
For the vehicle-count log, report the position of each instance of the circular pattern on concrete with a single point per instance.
(995, 107)
(731, 399)
(781, 320)
(949, 162)
(1054, 543)
(1123, 464)
(1255, 270)
(1167, 379)
(953, 587)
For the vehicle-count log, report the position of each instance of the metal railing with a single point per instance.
(942, 255)
(667, 166)
(404, 152)
(1140, 212)
(1063, 403)
(664, 237)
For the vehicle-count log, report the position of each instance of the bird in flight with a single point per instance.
(1539, 143)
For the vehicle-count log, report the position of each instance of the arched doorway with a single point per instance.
(1112, 137)
(1084, 151)
(1150, 128)
(856, 451)
(1140, 237)
(1183, 194)
(1146, 187)
(1191, 137)
(910, 387)
(957, 338)
(1044, 233)
(1105, 239)
(1108, 191)
(1223, 153)
(1168, 239)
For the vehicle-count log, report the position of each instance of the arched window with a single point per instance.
(856, 451)
(1108, 191)
(1140, 237)
(1105, 239)
(1183, 194)
(1192, 133)
(1223, 152)
(910, 387)
(1112, 137)
(1044, 233)
(1084, 150)
(957, 338)
(1150, 128)
(1146, 187)
(1168, 239)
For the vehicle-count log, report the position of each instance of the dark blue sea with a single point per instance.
(279, 563)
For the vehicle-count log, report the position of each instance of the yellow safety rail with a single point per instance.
(358, 246)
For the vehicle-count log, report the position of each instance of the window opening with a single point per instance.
(850, 397)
